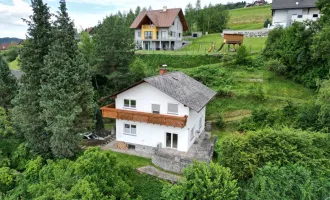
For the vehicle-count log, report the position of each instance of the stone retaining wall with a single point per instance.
(171, 163)
(249, 33)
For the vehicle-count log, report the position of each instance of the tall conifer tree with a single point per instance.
(67, 93)
(8, 84)
(27, 111)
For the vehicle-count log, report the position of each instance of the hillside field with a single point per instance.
(249, 18)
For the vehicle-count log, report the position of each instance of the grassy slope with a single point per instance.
(203, 44)
(249, 18)
(277, 91)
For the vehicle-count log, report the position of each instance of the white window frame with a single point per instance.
(172, 113)
(171, 147)
(130, 104)
(157, 104)
(130, 128)
(139, 34)
(192, 134)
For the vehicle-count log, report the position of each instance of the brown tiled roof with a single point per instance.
(160, 19)
(5, 46)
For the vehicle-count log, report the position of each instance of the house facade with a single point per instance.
(159, 29)
(285, 12)
(165, 111)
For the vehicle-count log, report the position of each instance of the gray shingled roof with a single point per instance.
(183, 88)
(286, 4)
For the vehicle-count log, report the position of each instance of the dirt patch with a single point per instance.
(256, 80)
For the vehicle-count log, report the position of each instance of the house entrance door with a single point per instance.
(146, 46)
(172, 140)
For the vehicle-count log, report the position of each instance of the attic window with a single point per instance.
(172, 108)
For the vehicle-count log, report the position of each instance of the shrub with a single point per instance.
(260, 118)
(287, 182)
(257, 93)
(242, 56)
(277, 67)
(203, 181)
(7, 179)
(244, 154)
(12, 53)
(220, 123)
(268, 21)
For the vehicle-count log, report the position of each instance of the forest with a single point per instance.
(280, 151)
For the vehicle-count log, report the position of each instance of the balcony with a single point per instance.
(148, 27)
(110, 111)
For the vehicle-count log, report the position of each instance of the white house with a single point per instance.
(287, 11)
(159, 29)
(164, 111)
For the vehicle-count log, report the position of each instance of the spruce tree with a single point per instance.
(8, 84)
(67, 94)
(27, 111)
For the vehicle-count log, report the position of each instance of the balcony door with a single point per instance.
(172, 140)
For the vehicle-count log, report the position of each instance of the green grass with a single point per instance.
(242, 82)
(14, 65)
(202, 45)
(135, 161)
(249, 18)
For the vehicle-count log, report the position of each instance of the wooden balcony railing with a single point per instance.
(110, 111)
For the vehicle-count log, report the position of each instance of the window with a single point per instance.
(315, 15)
(172, 108)
(173, 23)
(129, 103)
(191, 136)
(179, 35)
(147, 34)
(155, 108)
(172, 140)
(139, 33)
(300, 16)
(129, 129)
(174, 34)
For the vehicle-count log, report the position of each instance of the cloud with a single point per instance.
(11, 23)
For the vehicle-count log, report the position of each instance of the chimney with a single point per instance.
(163, 70)
(164, 9)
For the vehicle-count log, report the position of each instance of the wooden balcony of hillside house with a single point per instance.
(110, 111)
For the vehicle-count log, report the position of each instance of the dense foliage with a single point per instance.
(154, 61)
(303, 48)
(288, 182)
(203, 182)
(8, 86)
(244, 154)
(12, 53)
(211, 18)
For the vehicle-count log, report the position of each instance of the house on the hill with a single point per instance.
(159, 29)
(161, 112)
(285, 12)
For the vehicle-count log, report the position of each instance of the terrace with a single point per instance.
(110, 111)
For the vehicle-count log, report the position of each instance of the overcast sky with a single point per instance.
(85, 13)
